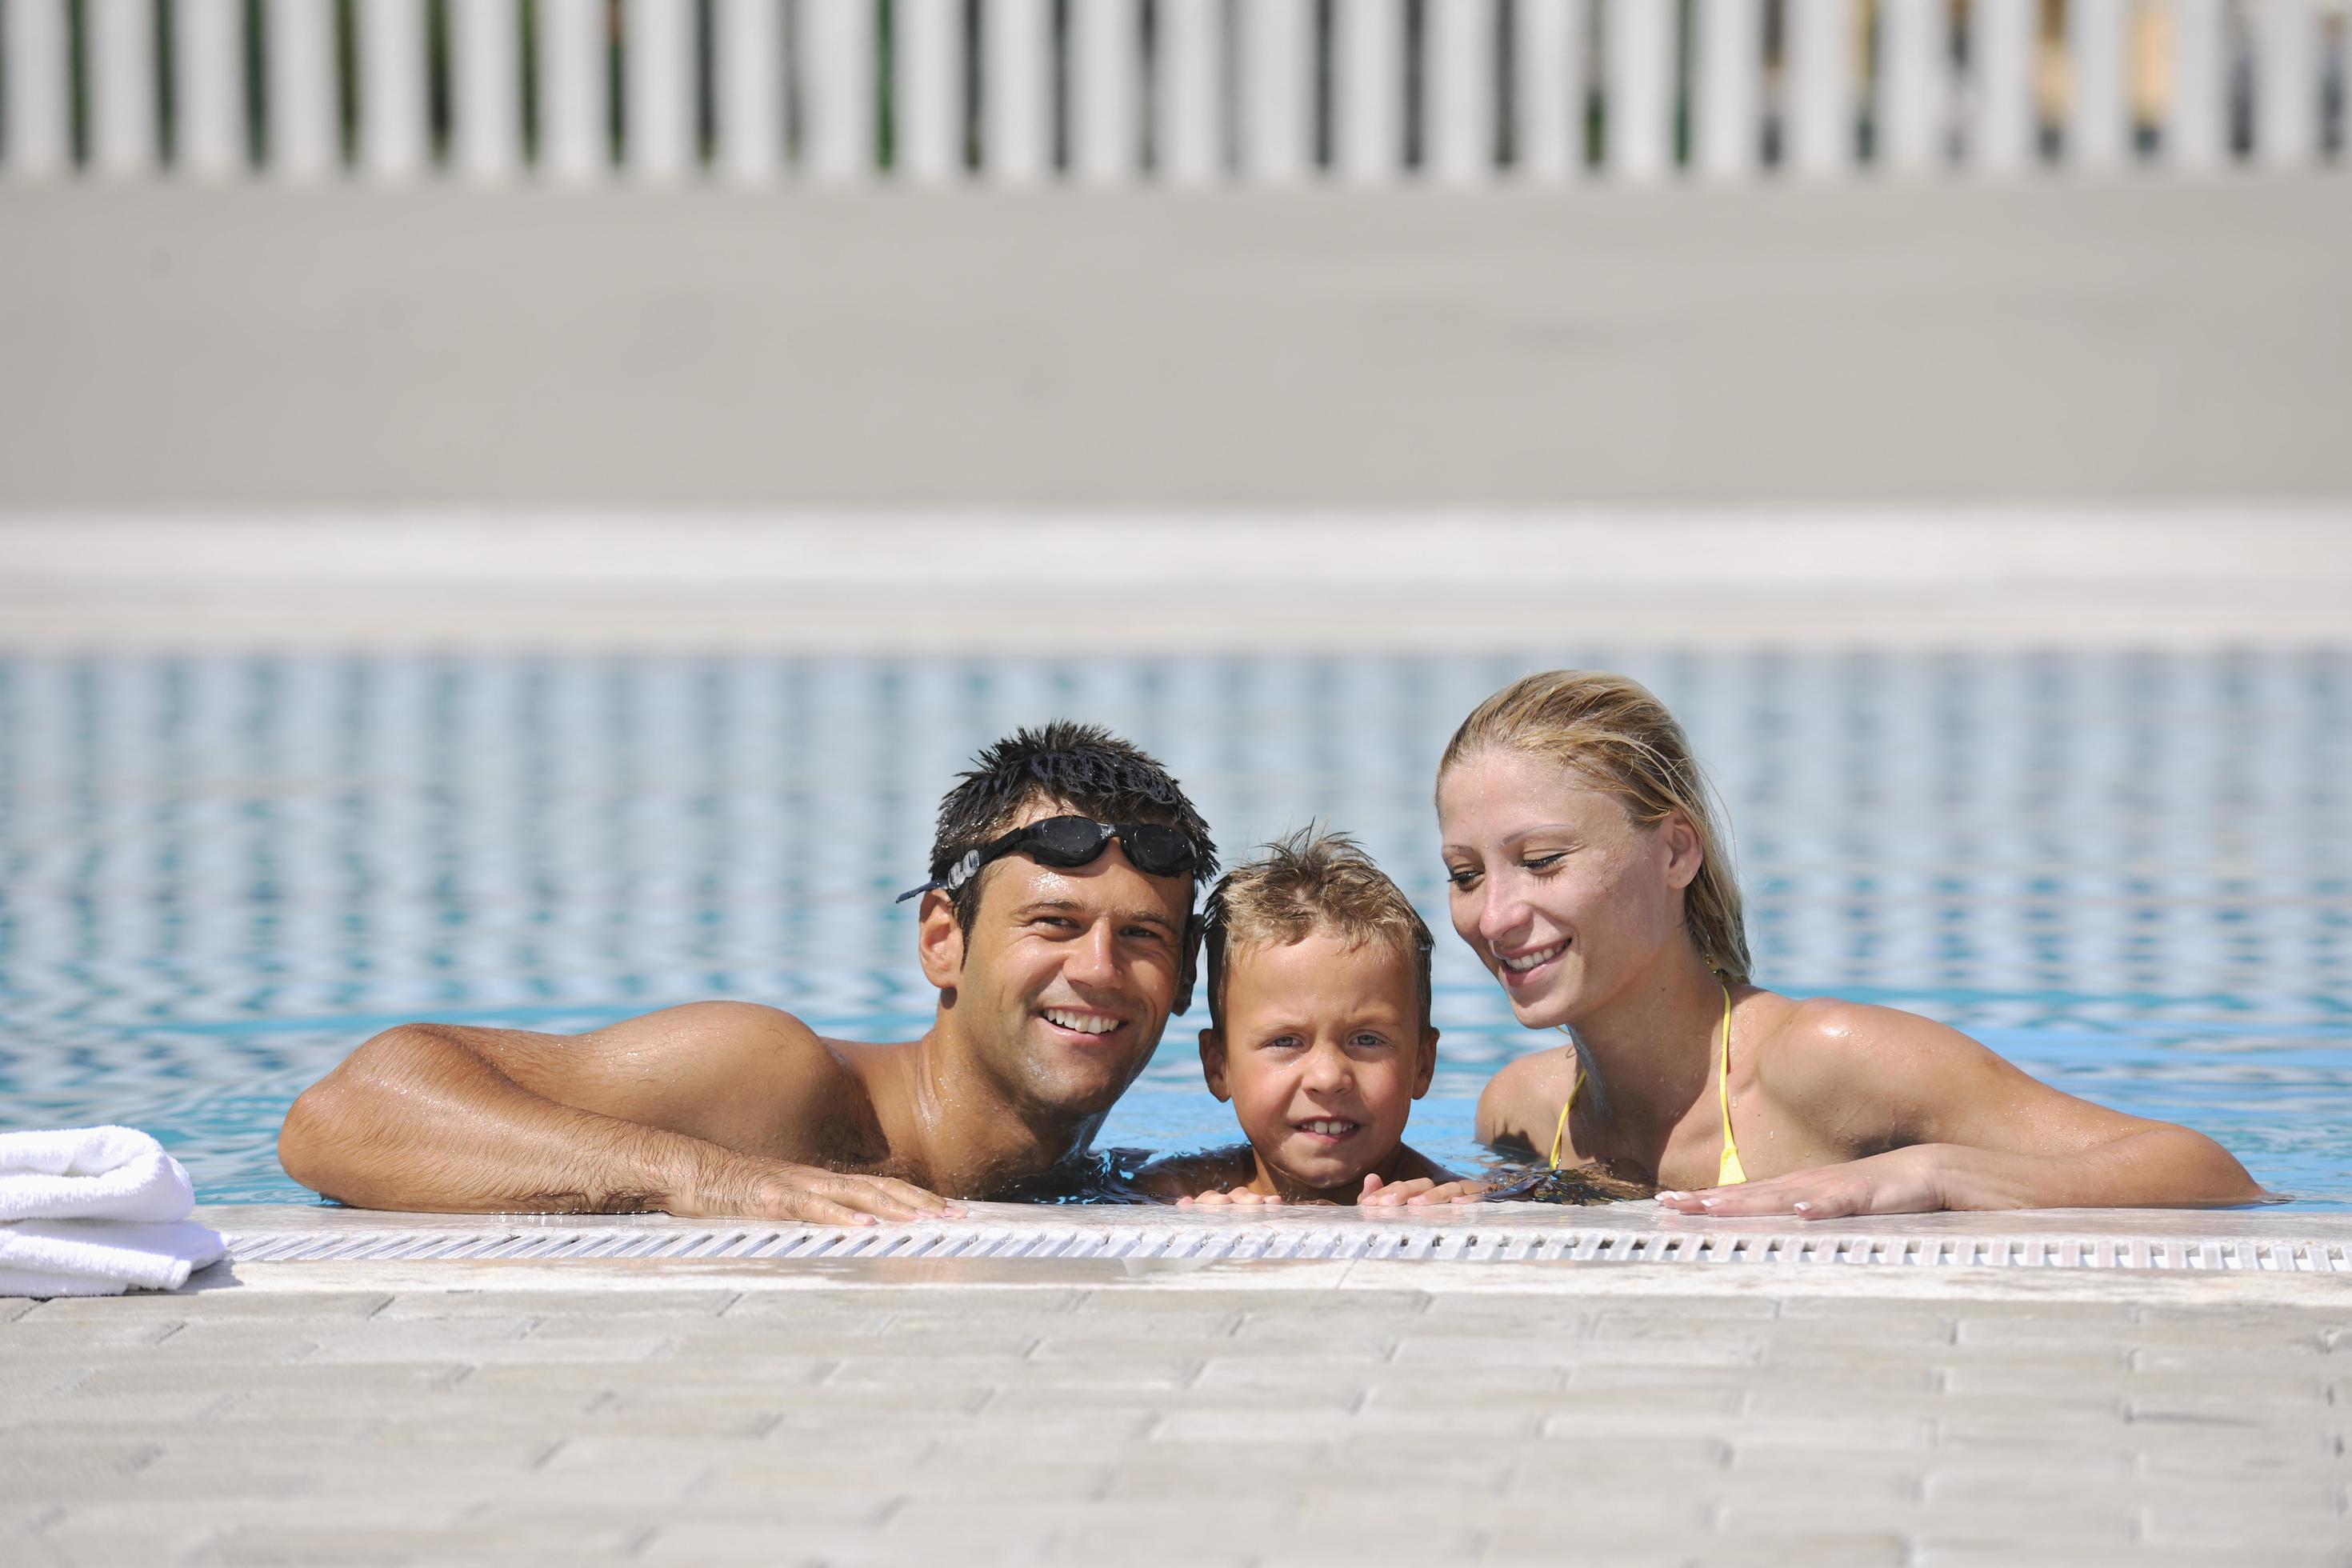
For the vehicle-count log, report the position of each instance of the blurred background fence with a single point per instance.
(1171, 92)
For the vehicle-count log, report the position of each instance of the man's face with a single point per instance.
(1066, 980)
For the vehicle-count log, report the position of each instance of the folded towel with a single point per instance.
(100, 1257)
(90, 1172)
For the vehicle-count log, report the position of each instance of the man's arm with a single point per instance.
(1975, 1131)
(632, 1117)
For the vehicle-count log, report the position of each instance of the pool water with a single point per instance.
(2131, 873)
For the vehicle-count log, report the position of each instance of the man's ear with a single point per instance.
(1684, 856)
(1212, 1063)
(1188, 969)
(938, 940)
(1427, 1069)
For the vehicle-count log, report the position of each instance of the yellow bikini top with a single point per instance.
(1728, 1172)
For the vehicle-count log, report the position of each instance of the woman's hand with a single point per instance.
(1906, 1181)
(1419, 1190)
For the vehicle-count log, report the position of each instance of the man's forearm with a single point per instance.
(415, 1120)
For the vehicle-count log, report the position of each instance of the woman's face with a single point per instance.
(1562, 894)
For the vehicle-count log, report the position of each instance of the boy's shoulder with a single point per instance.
(1174, 1177)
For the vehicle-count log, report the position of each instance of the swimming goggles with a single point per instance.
(1067, 841)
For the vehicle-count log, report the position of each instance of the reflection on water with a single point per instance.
(2129, 873)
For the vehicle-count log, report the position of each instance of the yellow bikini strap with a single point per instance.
(1728, 1172)
(1560, 1132)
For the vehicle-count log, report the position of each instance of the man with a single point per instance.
(1057, 926)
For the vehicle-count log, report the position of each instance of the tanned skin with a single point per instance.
(1838, 1108)
(730, 1108)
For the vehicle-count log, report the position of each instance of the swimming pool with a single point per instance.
(2131, 873)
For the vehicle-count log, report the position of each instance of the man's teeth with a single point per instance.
(1329, 1129)
(1528, 961)
(1083, 1023)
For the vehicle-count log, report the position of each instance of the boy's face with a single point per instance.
(1322, 1054)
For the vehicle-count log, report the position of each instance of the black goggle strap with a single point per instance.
(1031, 839)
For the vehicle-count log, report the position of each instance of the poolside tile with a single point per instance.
(585, 1306)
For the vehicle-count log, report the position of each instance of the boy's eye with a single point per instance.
(1282, 1043)
(1368, 1041)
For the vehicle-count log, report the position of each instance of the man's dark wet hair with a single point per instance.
(1082, 766)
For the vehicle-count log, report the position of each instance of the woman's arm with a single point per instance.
(1969, 1131)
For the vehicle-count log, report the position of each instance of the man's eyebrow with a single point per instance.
(1124, 917)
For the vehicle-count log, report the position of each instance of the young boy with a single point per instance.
(1319, 1035)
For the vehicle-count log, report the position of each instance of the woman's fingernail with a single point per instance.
(1803, 1208)
(1706, 1202)
(1672, 1197)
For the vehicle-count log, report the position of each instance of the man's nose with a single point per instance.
(1095, 959)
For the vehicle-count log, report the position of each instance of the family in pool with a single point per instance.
(1586, 871)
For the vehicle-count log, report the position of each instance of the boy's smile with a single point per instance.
(1322, 1054)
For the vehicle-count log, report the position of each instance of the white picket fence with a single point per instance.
(1170, 92)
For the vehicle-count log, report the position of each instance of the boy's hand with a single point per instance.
(1240, 1198)
(1418, 1192)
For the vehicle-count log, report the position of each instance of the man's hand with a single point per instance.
(1419, 1190)
(1906, 1181)
(776, 1190)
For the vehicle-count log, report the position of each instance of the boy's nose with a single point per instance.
(1327, 1069)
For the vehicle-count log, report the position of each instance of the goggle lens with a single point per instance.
(1066, 841)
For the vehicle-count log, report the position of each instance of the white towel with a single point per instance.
(90, 1172)
(100, 1257)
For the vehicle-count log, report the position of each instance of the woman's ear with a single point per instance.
(1426, 1071)
(938, 940)
(1212, 1063)
(1679, 840)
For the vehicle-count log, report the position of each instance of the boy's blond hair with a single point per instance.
(1309, 881)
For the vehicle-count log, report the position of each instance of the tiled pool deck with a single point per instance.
(1109, 1409)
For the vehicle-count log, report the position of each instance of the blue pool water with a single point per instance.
(2133, 875)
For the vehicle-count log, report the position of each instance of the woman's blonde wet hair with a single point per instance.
(1616, 736)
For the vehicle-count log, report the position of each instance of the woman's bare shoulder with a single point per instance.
(1520, 1104)
(1867, 1077)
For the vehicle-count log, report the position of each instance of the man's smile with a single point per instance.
(1082, 1021)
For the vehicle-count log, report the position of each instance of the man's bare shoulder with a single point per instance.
(723, 1070)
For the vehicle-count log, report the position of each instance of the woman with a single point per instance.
(1587, 876)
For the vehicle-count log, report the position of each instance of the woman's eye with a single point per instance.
(1462, 877)
(1543, 862)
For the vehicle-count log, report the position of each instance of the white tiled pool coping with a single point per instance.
(2276, 1242)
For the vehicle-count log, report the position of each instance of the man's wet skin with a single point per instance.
(1047, 1013)
(1048, 1010)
